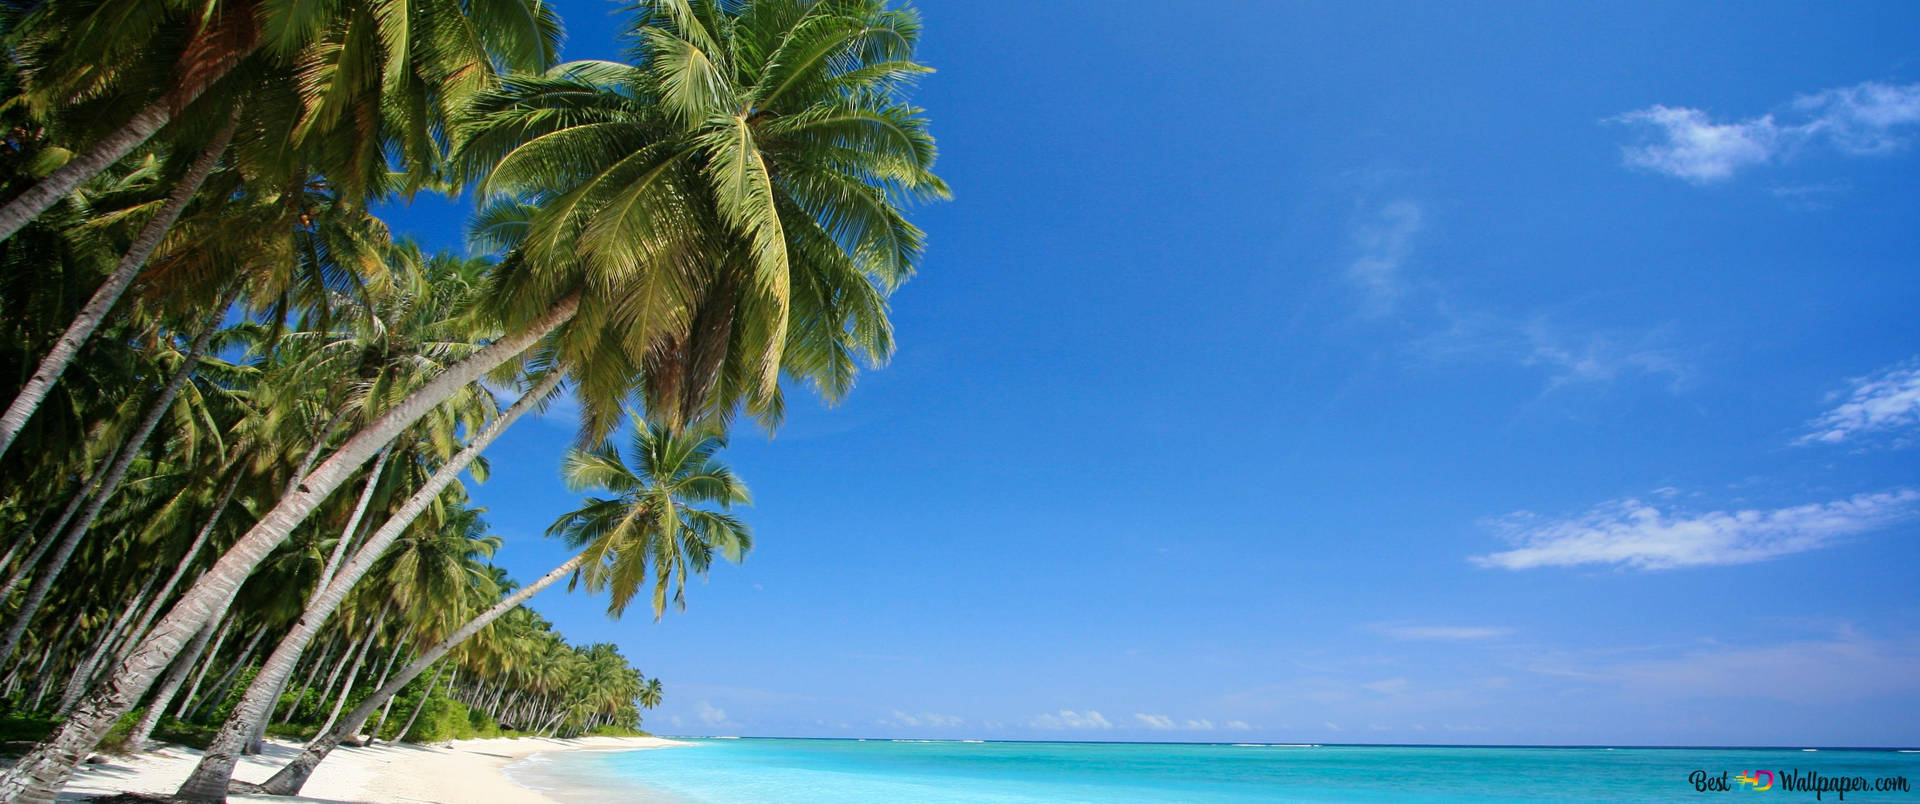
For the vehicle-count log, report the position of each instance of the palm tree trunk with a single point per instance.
(313, 669)
(220, 688)
(346, 687)
(215, 770)
(392, 660)
(38, 775)
(290, 779)
(43, 579)
(83, 674)
(169, 687)
(326, 687)
(68, 345)
(186, 561)
(45, 543)
(200, 674)
(352, 530)
(51, 650)
(417, 708)
(214, 51)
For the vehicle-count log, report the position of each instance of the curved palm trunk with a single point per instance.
(170, 686)
(200, 673)
(39, 774)
(291, 778)
(45, 543)
(210, 777)
(352, 530)
(220, 687)
(214, 51)
(68, 345)
(386, 671)
(83, 674)
(417, 708)
(186, 561)
(346, 686)
(313, 669)
(46, 573)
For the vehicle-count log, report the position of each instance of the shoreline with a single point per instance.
(448, 773)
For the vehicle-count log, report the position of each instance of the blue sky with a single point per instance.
(1343, 372)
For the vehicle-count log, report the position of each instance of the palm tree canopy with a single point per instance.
(651, 529)
(732, 200)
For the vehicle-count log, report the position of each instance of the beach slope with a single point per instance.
(452, 773)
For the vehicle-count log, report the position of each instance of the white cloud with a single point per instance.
(1384, 242)
(1239, 725)
(1635, 534)
(1698, 150)
(1567, 356)
(1863, 119)
(1069, 719)
(1161, 722)
(929, 719)
(1866, 119)
(1444, 633)
(711, 715)
(1597, 357)
(1886, 401)
(1164, 723)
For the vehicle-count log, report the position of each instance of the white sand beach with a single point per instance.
(459, 772)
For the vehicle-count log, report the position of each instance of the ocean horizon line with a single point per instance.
(1233, 744)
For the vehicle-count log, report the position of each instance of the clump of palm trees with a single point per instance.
(241, 414)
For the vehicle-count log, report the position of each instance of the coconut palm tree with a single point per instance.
(651, 532)
(709, 252)
(370, 95)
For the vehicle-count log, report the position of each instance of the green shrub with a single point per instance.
(23, 728)
(482, 725)
(234, 693)
(116, 740)
(611, 730)
(443, 719)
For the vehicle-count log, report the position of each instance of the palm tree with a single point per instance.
(363, 83)
(650, 532)
(722, 252)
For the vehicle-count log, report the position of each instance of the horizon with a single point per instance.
(1539, 375)
(1803, 748)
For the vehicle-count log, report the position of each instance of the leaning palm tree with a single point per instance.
(370, 92)
(649, 532)
(769, 199)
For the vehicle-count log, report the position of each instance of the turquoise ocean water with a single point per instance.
(754, 770)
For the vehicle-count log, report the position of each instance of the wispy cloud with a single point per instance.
(1862, 120)
(1635, 534)
(1444, 633)
(1387, 686)
(1848, 667)
(1887, 402)
(1069, 719)
(1596, 357)
(1567, 356)
(1164, 723)
(712, 715)
(924, 719)
(1239, 725)
(1384, 240)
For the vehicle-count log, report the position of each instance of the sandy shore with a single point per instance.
(460, 772)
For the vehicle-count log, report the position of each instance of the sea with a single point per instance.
(857, 771)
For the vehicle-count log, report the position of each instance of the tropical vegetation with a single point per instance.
(243, 416)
